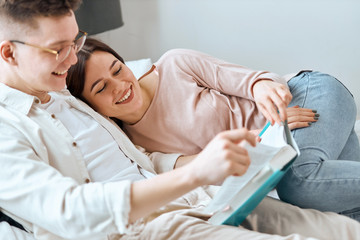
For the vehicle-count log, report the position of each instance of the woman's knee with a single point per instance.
(329, 84)
(321, 90)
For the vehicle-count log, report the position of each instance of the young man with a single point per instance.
(68, 173)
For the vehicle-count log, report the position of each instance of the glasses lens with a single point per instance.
(79, 43)
(64, 53)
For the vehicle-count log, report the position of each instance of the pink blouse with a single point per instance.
(197, 97)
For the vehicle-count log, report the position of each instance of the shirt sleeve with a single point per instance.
(41, 198)
(213, 73)
(13, 232)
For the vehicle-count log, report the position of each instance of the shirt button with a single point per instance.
(53, 115)
(36, 101)
(74, 144)
(87, 180)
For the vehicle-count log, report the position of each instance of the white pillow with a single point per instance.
(139, 67)
(357, 128)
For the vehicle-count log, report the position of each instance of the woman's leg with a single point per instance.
(351, 147)
(319, 178)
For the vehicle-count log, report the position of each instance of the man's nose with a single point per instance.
(72, 58)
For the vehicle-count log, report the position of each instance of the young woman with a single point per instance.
(187, 97)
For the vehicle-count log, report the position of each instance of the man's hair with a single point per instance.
(25, 11)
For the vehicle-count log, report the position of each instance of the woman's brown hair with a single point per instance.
(75, 80)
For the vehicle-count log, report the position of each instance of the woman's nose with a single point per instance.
(117, 88)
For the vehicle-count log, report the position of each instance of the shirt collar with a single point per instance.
(16, 99)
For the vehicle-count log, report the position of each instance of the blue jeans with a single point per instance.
(326, 175)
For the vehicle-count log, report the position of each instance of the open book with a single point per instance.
(270, 159)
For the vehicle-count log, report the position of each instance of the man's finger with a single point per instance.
(238, 135)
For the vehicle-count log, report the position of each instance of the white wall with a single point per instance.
(282, 36)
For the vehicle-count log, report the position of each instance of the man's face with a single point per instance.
(38, 71)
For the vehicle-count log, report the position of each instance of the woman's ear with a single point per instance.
(7, 52)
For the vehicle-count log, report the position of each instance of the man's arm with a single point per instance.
(183, 160)
(10, 232)
(222, 157)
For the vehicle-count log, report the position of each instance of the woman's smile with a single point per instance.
(129, 95)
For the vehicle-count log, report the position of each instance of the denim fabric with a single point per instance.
(326, 175)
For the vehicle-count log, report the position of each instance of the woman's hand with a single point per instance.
(271, 97)
(301, 117)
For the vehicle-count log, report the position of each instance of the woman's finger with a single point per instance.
(301, 118)
(266, 114)
(281, 107)
(301, 111)
(296, 125)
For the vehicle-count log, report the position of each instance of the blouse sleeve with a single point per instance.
(213, 73)
(163, 162)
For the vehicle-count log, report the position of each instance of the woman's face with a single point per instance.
(110, 86)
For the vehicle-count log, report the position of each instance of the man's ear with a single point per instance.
(7, 52)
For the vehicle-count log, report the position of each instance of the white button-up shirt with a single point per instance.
(43, 175)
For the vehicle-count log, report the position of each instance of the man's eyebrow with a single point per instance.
(58, 43)
(94, 84)
(61, 42)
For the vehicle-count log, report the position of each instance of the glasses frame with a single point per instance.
(56, 53)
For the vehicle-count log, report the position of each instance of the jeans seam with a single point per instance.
(322, 179)
(305, 74)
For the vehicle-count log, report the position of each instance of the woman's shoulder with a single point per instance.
(179, 55)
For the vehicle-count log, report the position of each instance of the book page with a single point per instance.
(274, 136)
(260, 157)
(273, 139)
(278, 136)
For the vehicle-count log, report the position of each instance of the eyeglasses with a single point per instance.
(63, 53)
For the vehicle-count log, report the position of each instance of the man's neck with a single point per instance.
(43, 96)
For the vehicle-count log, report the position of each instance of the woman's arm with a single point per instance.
(268, 90)
(214, 73)
(222, 157)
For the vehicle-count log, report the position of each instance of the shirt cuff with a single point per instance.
(119, 204)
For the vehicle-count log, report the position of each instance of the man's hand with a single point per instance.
(222, 157)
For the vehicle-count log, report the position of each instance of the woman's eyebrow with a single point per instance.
(113, 63)
(97, 81)
(94, 84)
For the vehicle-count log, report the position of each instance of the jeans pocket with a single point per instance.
(305, 170)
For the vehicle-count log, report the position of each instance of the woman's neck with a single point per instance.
(148, 84)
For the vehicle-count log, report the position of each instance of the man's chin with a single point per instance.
(57, 88)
